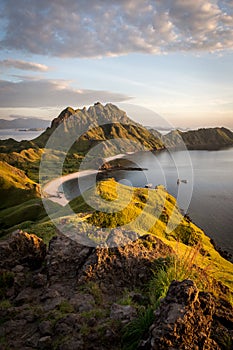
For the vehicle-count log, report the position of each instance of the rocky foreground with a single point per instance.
(72, 297)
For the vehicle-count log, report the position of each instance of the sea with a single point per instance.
(204, 191)
(18, 135)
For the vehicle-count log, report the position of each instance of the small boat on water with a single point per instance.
(148, 185)
(184, 181)
(179, 181)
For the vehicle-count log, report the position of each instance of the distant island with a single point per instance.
(24, 123)
(31, 129)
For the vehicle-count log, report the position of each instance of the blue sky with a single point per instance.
(164, 62)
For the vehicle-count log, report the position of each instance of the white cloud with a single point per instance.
(23, 65)
(79, 28)
(51, 93)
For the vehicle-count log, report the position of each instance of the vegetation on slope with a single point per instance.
(15, 186)
(141, 211)
(27, 160)
(205, 138)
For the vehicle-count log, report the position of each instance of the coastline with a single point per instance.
(51, 189)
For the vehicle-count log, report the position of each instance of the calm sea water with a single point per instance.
(18, 135)
(208, 194)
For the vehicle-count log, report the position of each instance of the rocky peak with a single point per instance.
(97, 114)
(64, 115)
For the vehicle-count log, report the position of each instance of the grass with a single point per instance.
(65, 307)
(140, 210)
(133, 209)
(167, 270)
(25, 215)
(137, 329)
(15, 186)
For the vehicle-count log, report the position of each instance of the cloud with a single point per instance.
(78, 28)
(51, 93)
(24, 65)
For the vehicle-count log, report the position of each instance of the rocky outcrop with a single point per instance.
(69, 296)
(186, 319)
(99, 123)
(113, 268)
(24, 249)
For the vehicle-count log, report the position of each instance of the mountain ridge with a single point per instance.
(26, 123)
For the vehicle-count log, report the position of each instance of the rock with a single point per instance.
(33, 340)
(45, 343)
(22, 248)
(71, 301)
(124, 313)
(24, 297)
(139, 298)
(184, 319)
(123, 267)
(18, 268)
(46, 328)
(65, 257)
(39, 280)
(82, 302)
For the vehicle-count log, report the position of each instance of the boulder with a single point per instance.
(22, 248)
(183, 320)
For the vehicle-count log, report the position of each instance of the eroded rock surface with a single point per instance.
(186, 319)
(69, 296)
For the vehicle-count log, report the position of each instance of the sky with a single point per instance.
(166, 62)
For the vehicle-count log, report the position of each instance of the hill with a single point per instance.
(89, 127)
(15, 186)
(201, 139)
(165, 285)
(24, 123)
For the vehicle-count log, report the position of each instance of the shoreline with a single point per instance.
(51, 189)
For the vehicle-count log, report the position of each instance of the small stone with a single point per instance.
(39, 280)
(18, 268)
(45, 343)
(25, 296)
(45, 328)
(123, 312)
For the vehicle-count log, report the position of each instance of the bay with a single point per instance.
(19, 135)
(208, 194)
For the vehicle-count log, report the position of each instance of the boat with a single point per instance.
(184, 181)
(179, 181)
(148, 185)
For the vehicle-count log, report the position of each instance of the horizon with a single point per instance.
(164, 126)
(159, 61)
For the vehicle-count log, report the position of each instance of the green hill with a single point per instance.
(205, 138)
(139, 211)
(15, 186)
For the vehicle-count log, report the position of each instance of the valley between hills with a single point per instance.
(139, 275)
